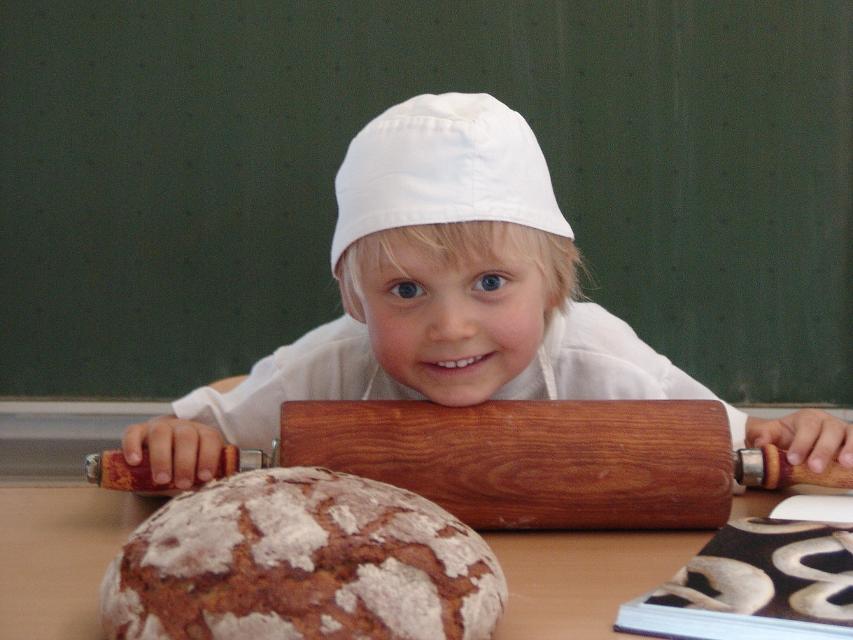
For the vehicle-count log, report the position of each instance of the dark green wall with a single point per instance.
(167, 175)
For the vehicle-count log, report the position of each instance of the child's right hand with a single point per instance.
(179, 449)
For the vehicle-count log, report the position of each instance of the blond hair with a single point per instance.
(557, 257)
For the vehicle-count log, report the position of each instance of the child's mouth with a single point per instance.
(458, 364)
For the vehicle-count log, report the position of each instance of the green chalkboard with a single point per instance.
(167, 175)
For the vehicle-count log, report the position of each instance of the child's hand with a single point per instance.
(809, 435)
(191, 447)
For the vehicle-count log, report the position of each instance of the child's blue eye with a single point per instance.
(490, 282)
(407, 290)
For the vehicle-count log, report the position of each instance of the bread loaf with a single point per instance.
(302, 552)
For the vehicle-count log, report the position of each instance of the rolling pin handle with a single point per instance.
(110, 470)
(768, 467)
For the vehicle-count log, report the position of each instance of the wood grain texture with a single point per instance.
(531, 464)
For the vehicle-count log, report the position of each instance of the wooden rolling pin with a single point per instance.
(521, 464)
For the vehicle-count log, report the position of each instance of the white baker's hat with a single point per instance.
(453, 157)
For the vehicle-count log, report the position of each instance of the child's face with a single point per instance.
(455, 334)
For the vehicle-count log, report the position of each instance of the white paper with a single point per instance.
(820, 508)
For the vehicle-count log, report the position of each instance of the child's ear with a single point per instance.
(351, 301)
(553, 301)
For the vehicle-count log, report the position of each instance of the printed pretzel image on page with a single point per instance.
(795, 570)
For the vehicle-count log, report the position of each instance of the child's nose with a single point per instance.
(451, 320)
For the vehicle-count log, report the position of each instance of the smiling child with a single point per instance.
(458, 273)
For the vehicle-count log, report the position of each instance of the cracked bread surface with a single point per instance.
(302, 552)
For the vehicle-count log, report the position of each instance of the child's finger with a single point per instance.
(160, 434)
(131, 442)
(806, 426)
(845, 456)
(209, 450)
(771, 432)
(827, 445)
(185, 455)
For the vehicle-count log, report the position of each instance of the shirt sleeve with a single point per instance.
(326, 363)
(248, 415)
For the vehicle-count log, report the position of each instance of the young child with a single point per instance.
(458, 274)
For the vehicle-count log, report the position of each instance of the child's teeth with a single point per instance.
(453, 364)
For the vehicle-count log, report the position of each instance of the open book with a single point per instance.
(787, 577)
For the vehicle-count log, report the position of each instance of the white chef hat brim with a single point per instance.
(442, 159)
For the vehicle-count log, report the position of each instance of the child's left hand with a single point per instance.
(809, 435)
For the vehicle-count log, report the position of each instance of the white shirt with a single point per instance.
(587, 354)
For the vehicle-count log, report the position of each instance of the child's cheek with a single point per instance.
(519, 328)
(391, 339)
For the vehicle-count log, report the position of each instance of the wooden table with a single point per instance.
(55, 544)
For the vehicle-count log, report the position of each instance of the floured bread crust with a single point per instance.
(302, 552)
